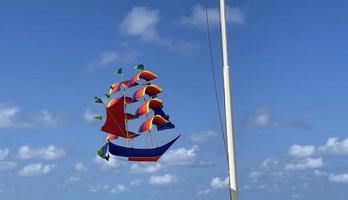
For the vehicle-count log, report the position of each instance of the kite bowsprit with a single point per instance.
(116, 122)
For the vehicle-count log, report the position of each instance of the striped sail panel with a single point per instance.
(117, 86)
(145, 108)
(145, 75)
(157, 120)
(149, 90)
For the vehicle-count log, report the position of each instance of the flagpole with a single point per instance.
(232, 170)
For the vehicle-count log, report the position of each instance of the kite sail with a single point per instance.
(117, 118)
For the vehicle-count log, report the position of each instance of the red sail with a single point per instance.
(145, 75)
(145, 108)
(149, 90)
(115, 123)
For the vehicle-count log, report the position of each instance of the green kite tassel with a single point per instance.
(98, 100)
(99, 117)
(140, 67)
(118, 71)
(107, 96)
(100, 153)
(112, 87)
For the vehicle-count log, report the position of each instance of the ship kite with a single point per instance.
(150, 112)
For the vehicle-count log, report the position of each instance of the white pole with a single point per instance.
(232, 170)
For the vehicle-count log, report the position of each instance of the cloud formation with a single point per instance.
(162, 180)
(334, 146)
(9, 118)
(111, 164)
(339, 178)
(36, 169)
(79, 167)
(263, 118)
(145, 168)
(136, 182)
(202, 137)
(197, 18)
(118, 189)
(113, 57)
(89, 116)
(48, 153)
(215, 183)
(181, 156)
(308, 163)
(4, 153)
(7, 165)
(141, 21)
(301, 151)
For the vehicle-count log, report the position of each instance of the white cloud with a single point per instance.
(319, 173)
(204, 163)
(45, 118)
(334, 146)
(339, 178)
(308, 163)
(301, 151)
(98, 188)
(217, 183)
(270, 167)
(118, 189)
(9, 118)
(7, 165)
(111, 57)
(136, 182)
(181, 156)
(72, 179)
(204, 191)
(202, 137)
(263, 118)
(104, 164)
(197, 18)
(8, 115)
(141, 21)
(162, 180)
(270, 162)
(36, 169)
(4, 153)
(89, 116)
(50, 153)
(108, 57)
(81, 167)
(145, 168)
(255, 174)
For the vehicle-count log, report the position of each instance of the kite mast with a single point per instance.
(228, 107)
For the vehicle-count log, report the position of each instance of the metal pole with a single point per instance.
(232, 170)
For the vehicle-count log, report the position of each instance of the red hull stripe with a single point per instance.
(144, 159)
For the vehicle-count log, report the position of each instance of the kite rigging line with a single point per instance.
(213, 76)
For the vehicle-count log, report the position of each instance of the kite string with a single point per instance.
(214, 79)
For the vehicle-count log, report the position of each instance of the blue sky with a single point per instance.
(289, 85)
